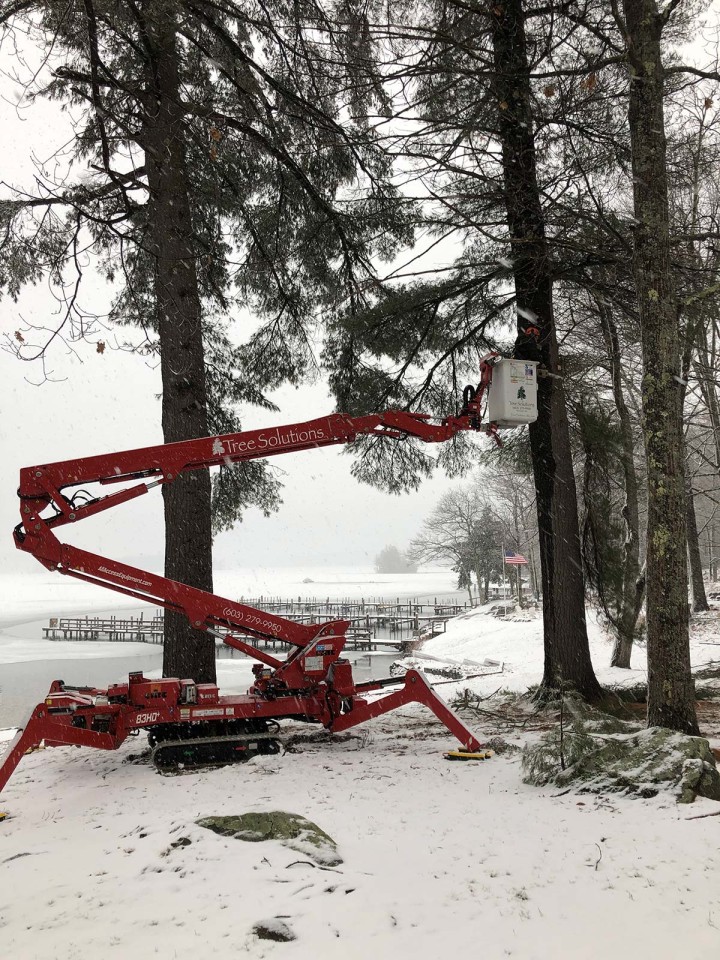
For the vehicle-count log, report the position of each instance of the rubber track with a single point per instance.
(242, 756)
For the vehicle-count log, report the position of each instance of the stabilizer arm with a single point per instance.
(415, 690)
(25, 739)
(43, 729)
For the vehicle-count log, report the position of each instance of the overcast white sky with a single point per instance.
(107, 402)
(110, 402)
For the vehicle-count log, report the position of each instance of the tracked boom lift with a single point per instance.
(190, 724)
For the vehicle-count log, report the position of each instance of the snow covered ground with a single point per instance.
(440, 859)
(101, 855)
(517, 643)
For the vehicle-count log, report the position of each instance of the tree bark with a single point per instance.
(521, 601)
(704, 373)
(188, 539)
(697, 585)
(567, 652)
(628, 613)
(480, 578)
(533, 574)
(671, 697)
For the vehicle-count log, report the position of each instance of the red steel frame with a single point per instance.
(313, 683)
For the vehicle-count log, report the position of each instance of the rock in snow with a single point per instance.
(290, 829)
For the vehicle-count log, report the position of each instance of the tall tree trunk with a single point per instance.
(567, 653)
(480, 580)
(697, 585)
(705, 373)
(188, 540)
(533, 574)
(627, 619)
(671, 697)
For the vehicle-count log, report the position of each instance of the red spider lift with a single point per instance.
(190, 724)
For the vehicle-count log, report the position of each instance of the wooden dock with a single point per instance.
(349, 609)
(107, 629)
(374, 624)
(135, 630)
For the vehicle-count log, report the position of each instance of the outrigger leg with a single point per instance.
(415, 690)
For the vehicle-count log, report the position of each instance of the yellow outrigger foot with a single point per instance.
(468, 754)
(3, 815)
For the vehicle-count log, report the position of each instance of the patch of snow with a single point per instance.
(102, 856)
(478, 635)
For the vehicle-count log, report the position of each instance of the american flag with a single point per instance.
(511, 557)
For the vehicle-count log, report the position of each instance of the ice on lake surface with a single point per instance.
(29, 663)
(32, 596)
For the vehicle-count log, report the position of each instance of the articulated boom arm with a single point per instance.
(192, 724)
(54, 487)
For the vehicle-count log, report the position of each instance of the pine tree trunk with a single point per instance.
(628, 613)
(567, 653)
(671, 701)
(188, 541)
(479, 578)
(705, 374)
(533, 575)
(697, 585)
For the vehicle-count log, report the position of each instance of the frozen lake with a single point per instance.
(23, 685)
(29, 663)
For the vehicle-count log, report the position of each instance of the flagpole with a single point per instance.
(504, 575)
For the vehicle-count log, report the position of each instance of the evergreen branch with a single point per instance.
(668, 11)
(288, 94)
(79, 195)
(303, 180)
(16, 8)
(470, 335)
(96, 66)
(79, 76)
(694, 71)
(702, 294)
